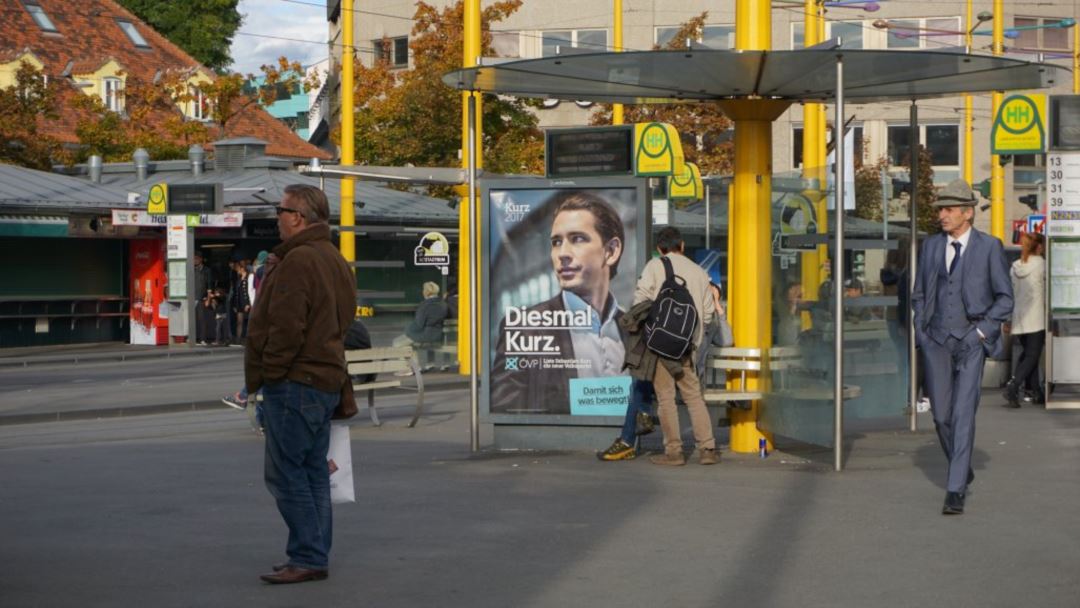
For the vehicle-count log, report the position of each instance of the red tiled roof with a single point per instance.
(88, 36)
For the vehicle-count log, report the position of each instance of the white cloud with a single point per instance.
(283, 20)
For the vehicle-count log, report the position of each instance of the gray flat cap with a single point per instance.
(957, 194)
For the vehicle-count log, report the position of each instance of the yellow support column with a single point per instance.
(751, 220)
(617, 109)
(472, 50)
(822, 156)
(348, 134)
(997, 172)
(968, 129)
(813, 138)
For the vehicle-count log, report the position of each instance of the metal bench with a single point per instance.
(726, 359)
(385, 361)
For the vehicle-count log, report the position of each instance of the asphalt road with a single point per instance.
(170, 510)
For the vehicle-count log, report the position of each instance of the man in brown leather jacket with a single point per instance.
(295, 353)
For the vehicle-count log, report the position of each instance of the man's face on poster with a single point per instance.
(579, 255)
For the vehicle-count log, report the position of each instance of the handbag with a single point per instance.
(339, 461)
(727, 336)
(346, 407)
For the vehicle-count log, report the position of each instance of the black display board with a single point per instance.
(599, 151)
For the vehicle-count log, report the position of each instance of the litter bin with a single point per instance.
(178, 324)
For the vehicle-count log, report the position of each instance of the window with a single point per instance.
(113, 94)
(713, 36)
(133, 34)
(590, 40)
(200, 104)
(849, 32)
(395, 51)
(506, 44)
(942, 141)
(797, 145)
(924, 33)
(1047, 37)
(40, 17)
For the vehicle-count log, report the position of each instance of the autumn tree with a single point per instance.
(409, 116)
(152, 118)
(703, 127)
(21, 105)
(203, 28)
(868, 192)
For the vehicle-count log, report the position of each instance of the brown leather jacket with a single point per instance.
(306, 303)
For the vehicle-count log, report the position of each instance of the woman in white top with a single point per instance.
(1028, 320)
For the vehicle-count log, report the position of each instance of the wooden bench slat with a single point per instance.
(368, 386)
(379, 367)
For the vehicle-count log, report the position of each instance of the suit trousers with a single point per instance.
(690, 387)
(953, 375)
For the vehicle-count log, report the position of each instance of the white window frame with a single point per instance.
(112, 93)
(930, 42)
(700, 39)
(922, 140)
(394, 62)
(574, 36)
(197, 101)
(1040, 43)
(867, 32)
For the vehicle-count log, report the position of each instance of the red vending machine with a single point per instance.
(148, 292)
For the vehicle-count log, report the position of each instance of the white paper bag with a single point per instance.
(339, 458)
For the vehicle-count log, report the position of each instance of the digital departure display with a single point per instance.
(1065, 122)
(590, 152)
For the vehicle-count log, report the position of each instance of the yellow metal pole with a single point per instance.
(822, 157)
(348, 134)
(968, 127)
(750, 230)
(617, 109)
(997, 172)
(472, 52)
(812, 165)
(1076, 60)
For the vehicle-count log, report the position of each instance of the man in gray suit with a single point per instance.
(962, 296)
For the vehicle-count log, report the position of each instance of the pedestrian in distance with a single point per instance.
(962, 297)
(681, 375)
(295, 354)
(1028, 276)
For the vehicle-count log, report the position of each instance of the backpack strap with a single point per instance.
(669, 273)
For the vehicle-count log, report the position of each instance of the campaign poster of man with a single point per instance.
(562, 268)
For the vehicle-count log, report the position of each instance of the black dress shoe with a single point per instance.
(292, 574)
(970, 477)
(954, 504)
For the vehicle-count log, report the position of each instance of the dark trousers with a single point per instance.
(953, 375)
(1026, 373)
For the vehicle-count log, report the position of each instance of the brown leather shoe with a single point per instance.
(292, 574)
(670, 459)
(279, 567)
(708, 456)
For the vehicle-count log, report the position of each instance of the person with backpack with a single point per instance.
(682, 306)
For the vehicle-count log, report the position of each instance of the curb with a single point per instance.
(75, 358)
(165, 408)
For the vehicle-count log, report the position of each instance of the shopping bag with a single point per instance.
(339, 459)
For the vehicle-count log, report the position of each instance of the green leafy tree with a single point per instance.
(703, 127)
(21, 104)
(203, 28)
(408, 116)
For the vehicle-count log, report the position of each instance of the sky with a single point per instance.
(282, 19)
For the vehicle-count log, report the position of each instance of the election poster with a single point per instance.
(563, 259)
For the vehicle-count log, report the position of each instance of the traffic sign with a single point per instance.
(1020, 125)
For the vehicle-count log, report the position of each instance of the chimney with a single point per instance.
(142, 164)
(94, 167)
(231, 154)
(198, 159)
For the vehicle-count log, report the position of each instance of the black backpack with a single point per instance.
(669, 330)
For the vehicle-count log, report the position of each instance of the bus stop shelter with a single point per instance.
(754, 87)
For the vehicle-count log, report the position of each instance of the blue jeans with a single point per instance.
(296, 473)
(641, 395)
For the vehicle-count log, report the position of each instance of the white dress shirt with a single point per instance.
(950, 251)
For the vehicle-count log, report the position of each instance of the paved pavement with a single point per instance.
(170, 510)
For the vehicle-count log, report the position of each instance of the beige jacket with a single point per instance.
(697, 283)
(1029, 292)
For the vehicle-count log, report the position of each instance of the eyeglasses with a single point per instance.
(279, 210)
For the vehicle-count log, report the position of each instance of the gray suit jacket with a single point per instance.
(986, 288)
